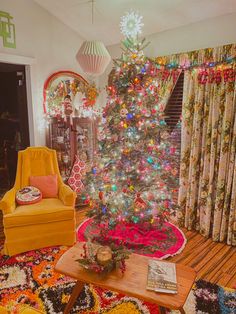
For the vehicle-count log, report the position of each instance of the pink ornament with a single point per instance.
(150, 196)
(168, 168)
(154, 212)
(172, 150)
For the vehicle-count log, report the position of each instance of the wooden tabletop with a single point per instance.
(132, 282)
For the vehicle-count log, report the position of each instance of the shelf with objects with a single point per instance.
(59, 138)
(71, 126)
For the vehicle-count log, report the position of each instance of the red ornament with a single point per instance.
(218, 77)
(211, 77)
(166, 204)
(229, 75)
(139, 201)
(100, 194)
(172, 150)
(232, 74)
(175, 74)
(165, 75)
(202, 77)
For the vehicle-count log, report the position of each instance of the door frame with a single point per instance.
(28, 62)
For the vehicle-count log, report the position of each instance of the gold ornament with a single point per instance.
(136, 80)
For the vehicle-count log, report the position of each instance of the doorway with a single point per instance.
(14, 124)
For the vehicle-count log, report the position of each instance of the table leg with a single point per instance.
(76, 291)
(162, 310)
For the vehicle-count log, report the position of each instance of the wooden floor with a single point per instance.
(214, 262)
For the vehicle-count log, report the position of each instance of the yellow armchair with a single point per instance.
(47, 223)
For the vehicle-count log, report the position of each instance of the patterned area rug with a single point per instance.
(30, 279)
(160, 243)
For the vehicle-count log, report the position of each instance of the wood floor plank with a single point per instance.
(210, 256)
(192, 249)
(224, 280)
(198, 253)
(217, 271)
(232, 282)
(214, 258)
(224, 268)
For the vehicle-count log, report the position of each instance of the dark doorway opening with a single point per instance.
(14, 126)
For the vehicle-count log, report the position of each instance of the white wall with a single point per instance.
(41, 36)
(205, 34)
(209, 33)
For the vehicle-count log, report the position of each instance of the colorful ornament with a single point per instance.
(150, 160)
(123, 112)
(129, 116)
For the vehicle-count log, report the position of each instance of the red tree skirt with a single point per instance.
(159, 243)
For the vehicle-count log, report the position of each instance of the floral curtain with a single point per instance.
(166, 82)
(207, 195)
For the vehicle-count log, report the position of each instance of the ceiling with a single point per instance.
(158, 15)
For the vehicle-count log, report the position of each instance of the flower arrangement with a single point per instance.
(103, 259)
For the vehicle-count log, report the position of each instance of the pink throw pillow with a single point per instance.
(48, 185)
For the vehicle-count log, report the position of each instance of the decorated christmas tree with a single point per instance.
(134, 178)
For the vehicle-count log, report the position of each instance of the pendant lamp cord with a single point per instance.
(92, 10)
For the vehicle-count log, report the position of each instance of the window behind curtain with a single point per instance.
(173, 112)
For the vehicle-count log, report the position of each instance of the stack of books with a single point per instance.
(161, 276)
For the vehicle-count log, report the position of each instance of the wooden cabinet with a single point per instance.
(85, 141)
(72, 137)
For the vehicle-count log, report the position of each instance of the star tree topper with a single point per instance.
(131, 24)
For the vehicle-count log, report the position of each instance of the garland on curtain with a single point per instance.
(208, 57)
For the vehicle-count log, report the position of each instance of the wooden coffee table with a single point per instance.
(132, 282)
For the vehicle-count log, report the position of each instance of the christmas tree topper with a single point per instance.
(131, 24)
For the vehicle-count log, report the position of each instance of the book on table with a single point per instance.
(161, 276)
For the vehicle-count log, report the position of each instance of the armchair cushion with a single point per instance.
(8, 204)
(66, 195)
(46, 184)
(48, 210)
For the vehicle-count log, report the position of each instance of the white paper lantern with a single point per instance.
(93, 57)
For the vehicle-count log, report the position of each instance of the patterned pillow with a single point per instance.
(28, 195)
